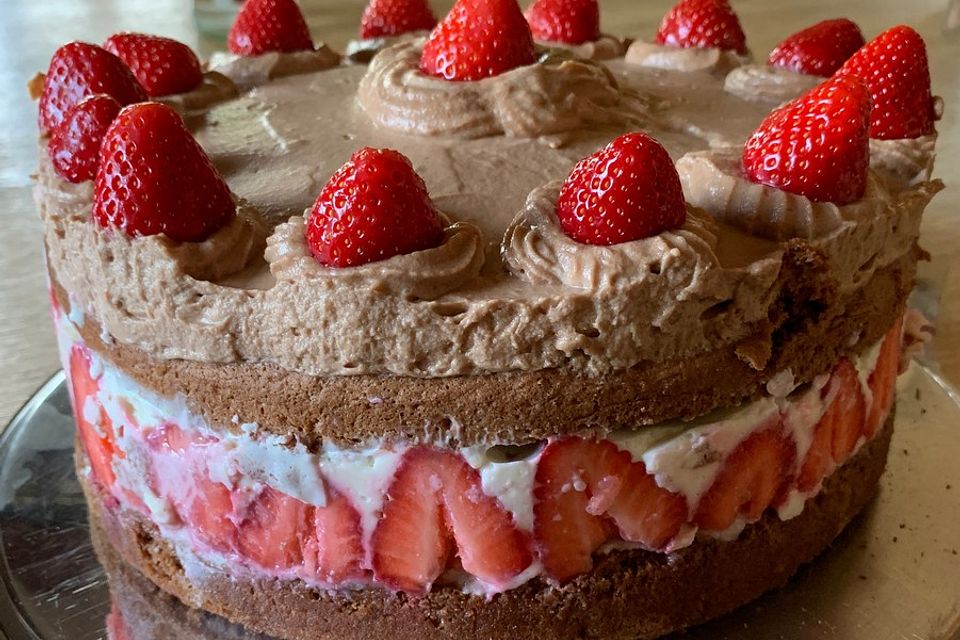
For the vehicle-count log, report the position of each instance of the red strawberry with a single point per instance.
(99, 440)
(274, 530)
(262, 26)
(839, 429)
(700, 24)
(162, 65)
(334, 553)
(74, 146)
(567, 21)
(585, 492)
(883, 380)
(373, 208)
(181, 476)
(78, 70)
(478, 39)
(752, 476)
(894, 67)
(394, 17)
(436, 500)
(626, 191)
(816, 145)
(154, 178)
(818, 50)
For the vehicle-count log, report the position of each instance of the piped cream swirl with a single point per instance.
(422, 275)
(606, 47)
(763, 83)
(906, 162)
(650, 54)
(248, 72)
(559, 93)
(713, 180)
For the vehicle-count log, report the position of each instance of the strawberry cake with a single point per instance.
(518, 331)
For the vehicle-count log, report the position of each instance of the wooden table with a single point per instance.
(30, 30)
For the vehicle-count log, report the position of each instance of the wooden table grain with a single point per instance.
(30, 30)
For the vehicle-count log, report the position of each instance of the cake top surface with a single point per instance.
(507, 290)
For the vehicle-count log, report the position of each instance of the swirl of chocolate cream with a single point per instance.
(763, 83)
(248, 72)
(422, 275)
(906, 162)
(363, 51)
(214, 89)
(557, 94)
(713, 180)
(606, 47)
(650, 54)
(536, 249)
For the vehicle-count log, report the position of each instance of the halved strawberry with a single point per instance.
(883, 380)
(839, 429)
(435, 501)
(180, 475)
(588, 490)
(163, 66)
(819, 49)
(262, 26)
(752, 476)
(703, 24)
(334, 552)
(274, 529)
(74, 146)
(99, 440)
(394, 17)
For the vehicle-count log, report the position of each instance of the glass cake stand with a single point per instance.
(894, 574)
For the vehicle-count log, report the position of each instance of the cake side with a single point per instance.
(630, 594)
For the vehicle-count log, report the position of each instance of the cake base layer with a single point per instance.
(813, 330)
(629, 593)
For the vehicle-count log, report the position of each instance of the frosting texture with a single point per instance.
(764, 83)
(559, 93)
(251, 71)
(650, 54)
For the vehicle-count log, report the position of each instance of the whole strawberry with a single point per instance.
(478, 39)
(702, 24)
(818, 50)
(394, 17)
(816, 145)
(566, 21)
(894, 66)
(162, 65)
(373, 208)
(78, 70)
(262, 26)
(74, 146)
(626, 191)
(154, 178)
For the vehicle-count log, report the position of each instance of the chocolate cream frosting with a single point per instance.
(506, 291)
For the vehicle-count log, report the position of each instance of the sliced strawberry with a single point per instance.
(154, 178)
(567, 21)
(334, 552)
(820, 49)
(626, 191)
(839, 429)
(394, 17)
(702, 24)
(373, 208)
(74, 146)
(894, 66)
(78, 70)
(274, 529)
(883, 380)
(588, 490)
(435, 501)
(163, 66)
(478, 39)
(817, 145)
(751, 477)
(99, 440)
(263, 26)
(181, 476)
